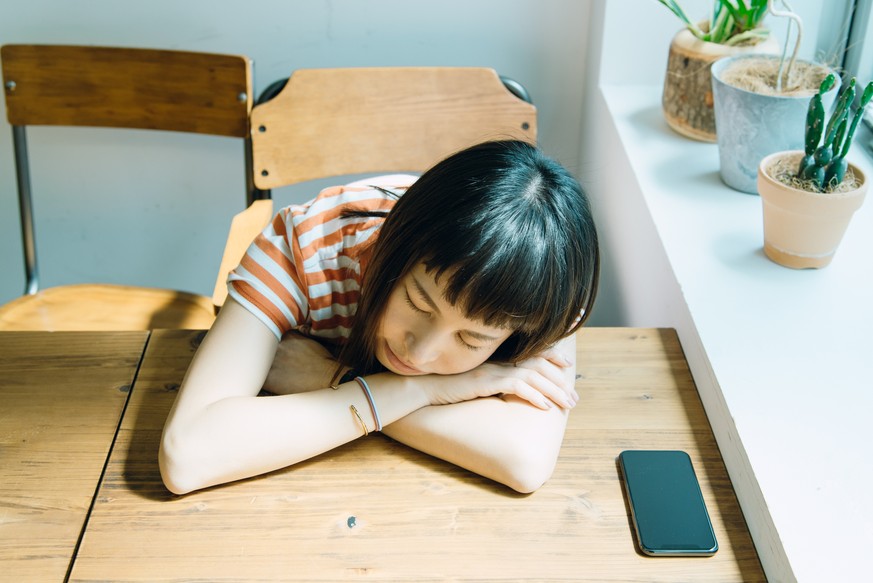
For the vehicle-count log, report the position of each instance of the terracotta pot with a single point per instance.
(687, 99)
(803, 229)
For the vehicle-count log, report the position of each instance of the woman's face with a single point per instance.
(421, 333)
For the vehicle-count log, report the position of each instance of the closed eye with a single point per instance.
(460, 335)
(412, 305)
(467, 345)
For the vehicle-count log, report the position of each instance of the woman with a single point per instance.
(451, 310)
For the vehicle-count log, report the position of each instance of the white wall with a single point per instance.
(199, 180)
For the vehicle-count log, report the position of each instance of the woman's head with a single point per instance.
(506, 236)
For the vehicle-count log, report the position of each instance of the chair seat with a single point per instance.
(107, 307)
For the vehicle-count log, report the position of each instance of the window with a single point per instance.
(858, 58)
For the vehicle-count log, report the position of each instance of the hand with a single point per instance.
(301, 364)
(544, 381)
(558, 356)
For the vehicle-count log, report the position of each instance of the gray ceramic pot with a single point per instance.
(751, 125)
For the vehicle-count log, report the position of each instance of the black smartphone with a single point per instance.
(667, 508)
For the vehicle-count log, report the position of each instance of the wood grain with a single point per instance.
(375, 510)
(120, 88)
(92, 306)
(125, 87)
(61, 399)
(329, 122)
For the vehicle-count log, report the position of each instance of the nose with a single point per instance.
(422, 347)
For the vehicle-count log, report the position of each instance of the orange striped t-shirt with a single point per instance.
(303, 272)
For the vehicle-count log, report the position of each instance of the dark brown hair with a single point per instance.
(512, 232)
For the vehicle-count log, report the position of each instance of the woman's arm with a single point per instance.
(219, 430)
(505, 439)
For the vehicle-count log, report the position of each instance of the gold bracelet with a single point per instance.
(346, 378)
(358, 415)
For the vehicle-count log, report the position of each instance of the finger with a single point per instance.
(552, 391)
(527, 393)
(555, 375)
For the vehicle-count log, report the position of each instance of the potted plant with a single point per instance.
(810, 195)
(733, 28)
(760, 104)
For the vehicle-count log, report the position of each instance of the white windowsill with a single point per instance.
(786, 366)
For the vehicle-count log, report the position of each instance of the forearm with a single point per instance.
(219, 430)
(242, 436)
(506, 440)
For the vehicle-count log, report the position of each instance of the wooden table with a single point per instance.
(61, 399)
(375, 510)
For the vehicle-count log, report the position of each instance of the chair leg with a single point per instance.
(25, 208)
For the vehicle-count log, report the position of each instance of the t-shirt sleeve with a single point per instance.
(269, 281)
(292, 275)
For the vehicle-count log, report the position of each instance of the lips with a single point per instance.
(398, 365)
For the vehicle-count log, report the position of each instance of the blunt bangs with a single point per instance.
(506, 282)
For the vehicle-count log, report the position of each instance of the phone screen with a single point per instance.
(667, 508)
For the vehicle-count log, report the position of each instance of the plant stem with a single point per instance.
(789, 13)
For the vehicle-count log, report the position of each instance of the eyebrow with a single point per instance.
(424, 295)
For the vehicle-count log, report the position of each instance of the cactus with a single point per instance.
(825, 164)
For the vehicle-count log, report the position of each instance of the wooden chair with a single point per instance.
(118, 88)
(333, 122)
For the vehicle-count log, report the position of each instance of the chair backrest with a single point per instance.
(329, 122)
(334, 122)
(123, 88)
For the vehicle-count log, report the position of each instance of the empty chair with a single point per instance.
(117, 88)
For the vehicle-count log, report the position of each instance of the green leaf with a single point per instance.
(746, 17)
(758, 33)
(758, 12)
(674, 7)
(722, 27)
(734, 12)
(727, 21)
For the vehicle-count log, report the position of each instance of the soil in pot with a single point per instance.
(759, 75)
(783, 169)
